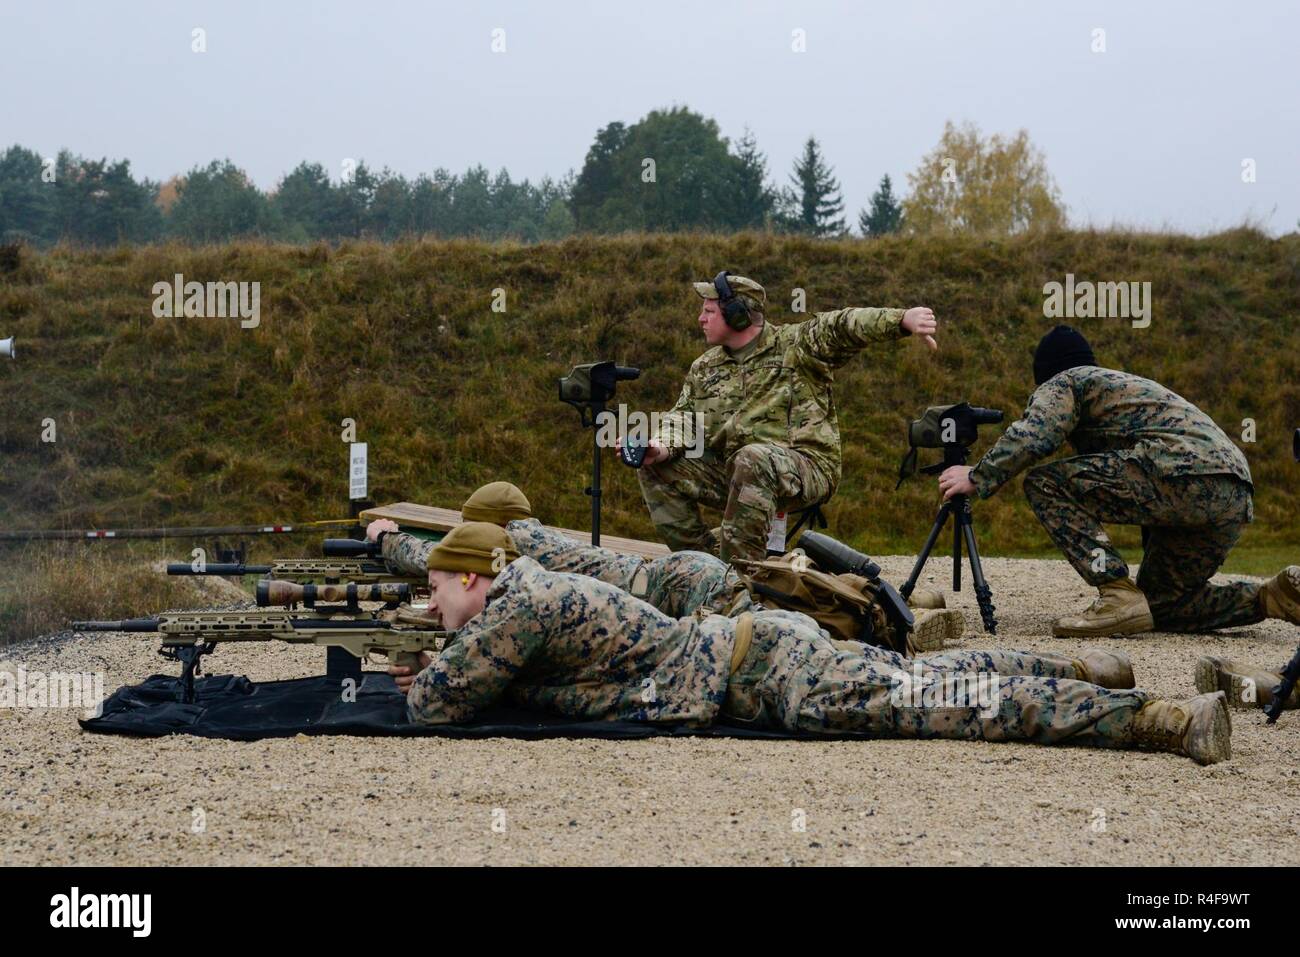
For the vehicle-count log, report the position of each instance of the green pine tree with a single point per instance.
(885, 214)
(815, 205)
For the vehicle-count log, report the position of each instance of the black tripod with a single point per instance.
(587, 388)
(958, 507)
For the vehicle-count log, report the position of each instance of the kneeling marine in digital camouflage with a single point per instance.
(1146, 457)
(579, 647)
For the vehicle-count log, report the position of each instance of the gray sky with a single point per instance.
(1151, 133)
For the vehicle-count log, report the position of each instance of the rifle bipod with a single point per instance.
(189, 656)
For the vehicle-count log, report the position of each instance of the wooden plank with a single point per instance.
(435, 519)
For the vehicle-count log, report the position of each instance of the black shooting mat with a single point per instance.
(232, 707)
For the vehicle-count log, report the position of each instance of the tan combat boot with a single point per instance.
(1245, 685)
(1109, 669)
(1199, 727)
(1120, 609)
(927, 598)
(1279, 597)
(935, 628)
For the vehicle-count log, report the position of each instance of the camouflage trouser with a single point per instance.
(683, 582)
(750, 487)
(794, 678)
(1189, 524)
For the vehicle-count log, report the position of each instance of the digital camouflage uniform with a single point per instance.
(771, 435)
(579, 647)
(1146, 457)
(676, 584)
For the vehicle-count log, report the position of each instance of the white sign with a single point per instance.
(357, 484)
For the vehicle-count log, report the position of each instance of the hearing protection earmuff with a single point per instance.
(734, 311)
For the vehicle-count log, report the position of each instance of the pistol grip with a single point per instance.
(407, 659)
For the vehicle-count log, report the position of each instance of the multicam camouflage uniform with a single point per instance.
(1147, 457)
(579, 647)
(771, 436)
(676, 584)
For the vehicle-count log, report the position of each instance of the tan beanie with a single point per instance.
(498, 503)
(479, 547)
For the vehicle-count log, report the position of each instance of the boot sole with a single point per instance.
(1288, 587)
(937, 628)
(1133, 626)
(1218, 743)
(1234, 687)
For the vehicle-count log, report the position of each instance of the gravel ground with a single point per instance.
(68, 797)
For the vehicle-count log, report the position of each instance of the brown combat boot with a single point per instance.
(1199, 727)
(935, 628)
(1246, 686)
(1120, 609)
(1279, 597)
(927, 598)
(1108, 669)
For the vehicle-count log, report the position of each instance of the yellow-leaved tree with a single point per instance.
(970, 184)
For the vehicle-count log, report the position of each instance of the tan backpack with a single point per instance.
(845, 605)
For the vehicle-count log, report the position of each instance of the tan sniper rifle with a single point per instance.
(330, 617)
(347, 561)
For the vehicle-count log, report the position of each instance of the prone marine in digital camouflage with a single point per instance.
(764, 397)
(1148, 457)
(582, 648)
(676, 584)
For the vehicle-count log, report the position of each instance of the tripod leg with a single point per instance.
(935, 529)
(956, 551)
(983, 594)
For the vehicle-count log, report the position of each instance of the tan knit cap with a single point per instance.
(498, 503)
(479, 547)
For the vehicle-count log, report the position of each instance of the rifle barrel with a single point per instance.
(126, 624)
(217, 568)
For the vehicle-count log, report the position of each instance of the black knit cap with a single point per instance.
(1062, 348)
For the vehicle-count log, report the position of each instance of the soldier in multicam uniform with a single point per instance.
(763, 396)
(579, 647)
(676, 584)
(1146, 457)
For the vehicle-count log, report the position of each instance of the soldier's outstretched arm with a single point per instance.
(833, 338)
(405, 554)
(478, 664)
(1052, 415)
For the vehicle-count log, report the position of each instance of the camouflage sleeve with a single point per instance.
(405, 554)
(477, 666)
(1052, 415)
(676, 426)
(836, 337)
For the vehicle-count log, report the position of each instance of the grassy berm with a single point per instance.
(196, 421)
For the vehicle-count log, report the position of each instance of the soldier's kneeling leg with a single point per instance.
(674, 491)
(763, 479)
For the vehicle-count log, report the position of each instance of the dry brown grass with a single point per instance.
(192, 420)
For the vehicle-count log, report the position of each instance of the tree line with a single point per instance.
(670, 171)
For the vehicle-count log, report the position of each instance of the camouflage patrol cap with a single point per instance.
(747, 291)
(498, 503)
(479, 547)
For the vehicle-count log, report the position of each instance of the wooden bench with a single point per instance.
(433, 519)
